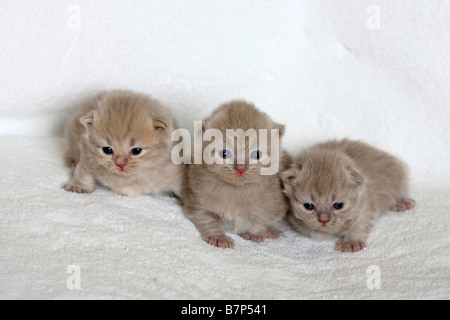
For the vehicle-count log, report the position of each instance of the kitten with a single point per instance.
(121, 140)
(235, 196)
(340, 188)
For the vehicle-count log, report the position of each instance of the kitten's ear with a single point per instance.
(289, 176)
(356, 176)
(159, 125)
(89, 119)
(280, 127)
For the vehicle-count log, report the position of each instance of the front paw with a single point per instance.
(70, 187)
(350, 246)
(258, 238)
(273, 233)
(221, 241)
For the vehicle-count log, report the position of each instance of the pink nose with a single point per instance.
(240, 168)
(324, 218)
(121, 162)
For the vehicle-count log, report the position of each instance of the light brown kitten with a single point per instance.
(341, 188)
(121, 139)
(231, 196)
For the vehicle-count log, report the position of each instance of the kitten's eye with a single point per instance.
(338, 205)
(136, 151)
(226, 154)
(108, 150)
(309, 206)
(256, 154)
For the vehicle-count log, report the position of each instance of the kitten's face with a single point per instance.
(240, 163)
(324, 190)
(123, 146)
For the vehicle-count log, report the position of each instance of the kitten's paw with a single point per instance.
(403, 204)
(273, 233)
(350, 246)
(223, 241)
(258, 238)
(74, 188)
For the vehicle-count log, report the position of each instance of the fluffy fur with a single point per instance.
(365, 181)
(137, 128)
(219, 197)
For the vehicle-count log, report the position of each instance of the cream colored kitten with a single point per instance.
(121, 140)
(236, 197)
(341, 188)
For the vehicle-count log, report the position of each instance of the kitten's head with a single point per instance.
(324, 187)
(242, 152)
(126, 132)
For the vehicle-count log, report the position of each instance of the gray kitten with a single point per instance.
(234, 197)
(341, 188)
(121, 139)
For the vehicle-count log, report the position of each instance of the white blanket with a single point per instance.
(60, 245)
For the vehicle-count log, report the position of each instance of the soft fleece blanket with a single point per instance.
(60, 245)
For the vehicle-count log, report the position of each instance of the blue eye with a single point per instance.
(136, 151)
(309, 206)
(338, 205)
(108, 150)
(256, 155)
(226, 154)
